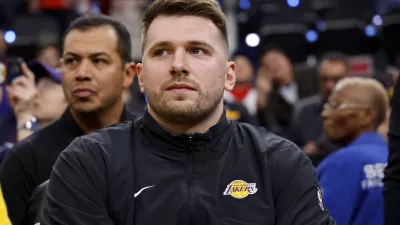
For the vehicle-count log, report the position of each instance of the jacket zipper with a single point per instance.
(190, 181)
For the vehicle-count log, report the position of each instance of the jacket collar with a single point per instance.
(69, 124)
(162, 138)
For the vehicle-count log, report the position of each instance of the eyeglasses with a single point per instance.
(341, 106)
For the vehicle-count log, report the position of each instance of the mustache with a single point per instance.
(84, 85)
(180, 80)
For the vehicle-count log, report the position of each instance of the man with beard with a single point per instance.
(184, 162)
(96, 68)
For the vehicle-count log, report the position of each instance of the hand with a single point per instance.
(311, 149)
(22, 93)
(264, 83)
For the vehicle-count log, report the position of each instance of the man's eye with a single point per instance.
(99, 61)
(70, 61)
(197, 51)
(160, 52)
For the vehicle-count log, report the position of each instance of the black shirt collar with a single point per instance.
(164, 139)
(69, 124)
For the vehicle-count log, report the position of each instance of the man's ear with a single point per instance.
(367, 117)
(139, 70)
(129, 74)
(230, 77)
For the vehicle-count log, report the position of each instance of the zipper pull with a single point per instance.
(190, 137)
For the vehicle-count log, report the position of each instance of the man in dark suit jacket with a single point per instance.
(306, 127)
(278, 90)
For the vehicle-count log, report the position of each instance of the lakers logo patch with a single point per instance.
(240, 189)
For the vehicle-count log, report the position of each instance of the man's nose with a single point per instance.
(325, 113)
(83, 71)
(179, 63)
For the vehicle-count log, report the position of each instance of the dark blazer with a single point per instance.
(34, 208)
(277, 116)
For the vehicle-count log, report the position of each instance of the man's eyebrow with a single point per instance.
(160, 44)
(97, 54)
(92, 55)
(202, 43)
(192, 42)
(71, 54)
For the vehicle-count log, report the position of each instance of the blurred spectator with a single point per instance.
(96, 68)
(33, 6)
(238, 113)
(49, 55)
(244, 93)
(33, 27)
(3, 46)
(64, 11)
(21, 93)
(50, 102)
(278, 90)
(7, 120)
(307, 123)
(134, 99)
(37, 98)
(351, 178)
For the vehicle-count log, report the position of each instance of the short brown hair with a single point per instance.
(208, 9)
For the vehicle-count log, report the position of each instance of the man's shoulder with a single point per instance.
(364, 153)
(111, 145)
(268, 142)
(115, 135)
(343, 158)
(37, 140)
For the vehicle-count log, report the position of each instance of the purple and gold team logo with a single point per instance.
(240, 189)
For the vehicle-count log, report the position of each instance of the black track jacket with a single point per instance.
(138, 173)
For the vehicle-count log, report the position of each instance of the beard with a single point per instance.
(176, 109)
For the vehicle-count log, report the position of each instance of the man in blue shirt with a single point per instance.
(351, 178)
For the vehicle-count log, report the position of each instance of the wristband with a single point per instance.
(31, 125)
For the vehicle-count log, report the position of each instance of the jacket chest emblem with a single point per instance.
(240, 189)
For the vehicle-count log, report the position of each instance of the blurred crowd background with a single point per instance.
(289, 55)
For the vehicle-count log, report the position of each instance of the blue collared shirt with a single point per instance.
(351, 181)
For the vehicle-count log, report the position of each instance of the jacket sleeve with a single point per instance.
(392, 171)
(77, 190)
(17, 185)
(340, 183)
(296, 190)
